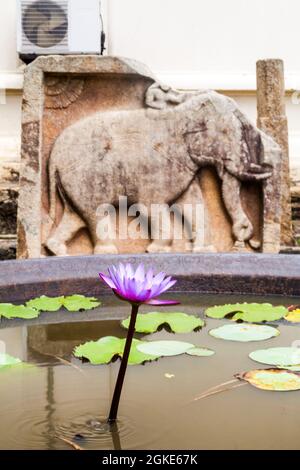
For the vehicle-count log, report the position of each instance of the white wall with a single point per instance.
(201, 35)
(188, 44)
(8, 55)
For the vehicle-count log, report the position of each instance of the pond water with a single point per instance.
(55, 400)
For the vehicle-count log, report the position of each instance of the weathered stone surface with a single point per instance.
(9, 174)
(8, 248)
(272, 120)
(8, 211)
(95, 129)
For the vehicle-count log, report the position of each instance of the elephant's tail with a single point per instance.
(53, 185)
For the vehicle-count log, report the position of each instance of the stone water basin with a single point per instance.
(61, 399)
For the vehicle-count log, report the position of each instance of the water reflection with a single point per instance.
(59, 340)
(116, 436)
(55, 343)
(50, 409)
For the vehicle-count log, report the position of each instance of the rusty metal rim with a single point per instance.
(206, 273)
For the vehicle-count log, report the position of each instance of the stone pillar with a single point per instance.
(273, 121)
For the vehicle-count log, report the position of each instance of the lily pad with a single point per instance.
(292, 368)
(178, 322)
(277, 356)
(252, 313)
(107, 348)
(244, 332)
(293, 316)
(18, 311)
(6, 360)
(34, 307)
(75, 303)
(200, 352)
(272, 379)
(46, 304)
(164, 348)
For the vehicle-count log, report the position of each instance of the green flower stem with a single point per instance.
(120, 380)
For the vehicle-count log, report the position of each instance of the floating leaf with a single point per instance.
(46, 304)
(18, 311)
(292, 368)
(252, 313)
(34, 307)
(178, 322)
(164, 348)
(277, 356)
(293, 316)
(244, 332)
(272, 379)
(201, 352)
(7, 360)
(75, 303)
(107, 348)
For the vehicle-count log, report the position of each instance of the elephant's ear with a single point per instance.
(194, 140)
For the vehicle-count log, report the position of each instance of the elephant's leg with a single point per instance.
(103, 231)
(242, 228)
(105, 248)
(69, 225)
(160, 229)
(192, 210)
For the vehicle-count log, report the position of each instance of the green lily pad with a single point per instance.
(178, 322)
(105, 349)
(34, 307)
(272, 379)
(164, 348)
(75, 303)
(200, 352)
(6, 360)
(252, 313)
(18, 311)
(277, 356)
(244, 332)
(46, 304)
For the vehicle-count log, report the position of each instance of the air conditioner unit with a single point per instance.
(59, 27)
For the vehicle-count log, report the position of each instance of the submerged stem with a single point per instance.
(120, 380)
(220, 390)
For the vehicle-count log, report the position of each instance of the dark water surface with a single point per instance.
(40, 405)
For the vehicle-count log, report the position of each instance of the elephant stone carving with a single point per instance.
(154, 155)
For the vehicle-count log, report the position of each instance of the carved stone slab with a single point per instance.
(99, 128)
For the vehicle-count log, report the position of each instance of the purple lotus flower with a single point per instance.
(138, 287)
